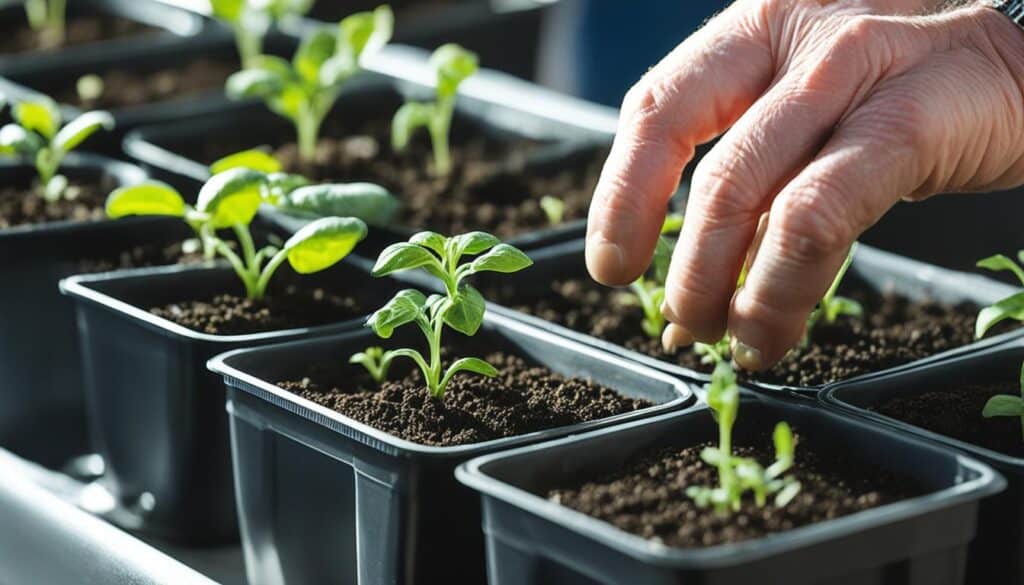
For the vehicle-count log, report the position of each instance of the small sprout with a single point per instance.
(375, 360)
(650, 292)
(832, 306)
(453, 65)
(47, 17)
(305, 89)
(251, 19)
(553, 208)
(1011, 307)
(738, 475)
(89, 88)
(230, 200)
(713, 353)
(1006, 404)
(254, 159)
(37, 135)
(461, 307)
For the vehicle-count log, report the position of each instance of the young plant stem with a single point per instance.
(440, 126)
(249, 45)
(654, 322)
(307, 128)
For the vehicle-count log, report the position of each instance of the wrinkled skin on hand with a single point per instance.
(832, 111)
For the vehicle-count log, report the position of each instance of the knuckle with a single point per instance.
(723, 196)
(816, 220)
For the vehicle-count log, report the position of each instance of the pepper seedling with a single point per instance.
(650, 292)
(375, 360)
(305, 89)
(251, 19)
(37, 135)
(739, 475)
(461, 307)
(230, 200)
(1011, 307)
(47, 17)
(452, 65)
(832, 306)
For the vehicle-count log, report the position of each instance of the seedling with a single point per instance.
(452, 65)
(36, 135)
(832, 306)
(553, 208)
(1007, 404)
(461, 307)
(305, 89)
(230, 200)
(650, 292)
(739, 475)
(1011, 307)
(47, 18)
(375, 360)
(251, 19)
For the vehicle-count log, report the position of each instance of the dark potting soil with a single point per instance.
(521, 399)
(288, 308)
(125, 88)
(956, 412)
(142, 256)
(895, 330)
(648, 498)
(21, 203)
(490, 188)
(16, 36)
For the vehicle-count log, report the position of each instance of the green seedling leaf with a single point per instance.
(314, 51)
(232, 197)
(472, 243)
(475, 365)
(254, 159)
(1012, 307)
(323, 243)
(662, 258)
(82, 127)
(453, 64)
(42, 116)
(255, 83)
(371, 203)
(1001, 262)
(673, 224)
(430, 240)
(405, 307)
(1003, 405)
(228, 10)
(502, 258)
(465, 311)
(402, 256)
(553, 208)
(409, 118)
(16, 140)
(150, 198)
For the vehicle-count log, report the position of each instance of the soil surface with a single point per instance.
(491, 186)
(288, 308)
(895, 330)
(141, 257)
(21, 204)
(125, 88)
(956, 413)
(648, 498)
(16, 36)
(522, 398)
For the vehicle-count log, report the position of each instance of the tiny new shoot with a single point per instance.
(229, 200)
(452, 65)
(553, 208)
(375, 360)
(739, 475)
(461, 307)
(251, 19)
(832, 306)
(47, 17)
(305, 89)
(1012, 308)
(1007, 404)
(37, 135)
(650, 292)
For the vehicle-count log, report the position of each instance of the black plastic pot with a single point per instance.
(997, 555)
(325, 499)
(43, 412)
(496, 104)
(176, 28)
(919, 541)
(156, 413)
(880, 270)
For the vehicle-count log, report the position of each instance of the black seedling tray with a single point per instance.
(880, 270)
(176, 26)
(997, 555)
(156, 413)
(918, 541)
(40, 375)
(323, 498)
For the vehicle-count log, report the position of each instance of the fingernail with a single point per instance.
(745, 356)
(674, 337)
(604, 258)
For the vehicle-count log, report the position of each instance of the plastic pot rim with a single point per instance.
(471, 474)
(398, 447)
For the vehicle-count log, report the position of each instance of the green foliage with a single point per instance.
(47, 17)
(251, 19)
(649, 289)
(230, 200)
(453, 65)
(1011, 307)
(553, 208)
(461, 307)
(375, 360)
(39, 135)
(305, 89)
(831, 305)
(739, 475)
(1007, 405)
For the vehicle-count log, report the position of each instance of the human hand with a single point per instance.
(835, 110)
